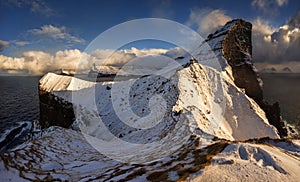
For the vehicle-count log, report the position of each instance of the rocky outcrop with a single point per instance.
(233, 41)
(54, 110)
(198, 118)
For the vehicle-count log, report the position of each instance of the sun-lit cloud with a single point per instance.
(207, 20)
(269, 6)
(56, 33)
(39, 62)
(276, 45)
(3, 44)
(262, 27)
(271, 45)
(162, 9)
(281, 2)
(21, 43)
(35, 6)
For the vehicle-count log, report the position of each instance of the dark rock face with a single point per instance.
(237, 50)
(54, 111)
(274, 116)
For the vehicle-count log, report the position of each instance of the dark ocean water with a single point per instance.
(18, 100)
(284, 88)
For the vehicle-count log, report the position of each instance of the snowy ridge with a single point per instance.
(190, 123)
(239, 122)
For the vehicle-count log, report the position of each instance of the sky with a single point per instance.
(38, 35)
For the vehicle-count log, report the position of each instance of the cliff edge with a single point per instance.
(233, 45)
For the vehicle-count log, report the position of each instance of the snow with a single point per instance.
(141, 111)
(182, 123)
(65, 154)
(251, 162)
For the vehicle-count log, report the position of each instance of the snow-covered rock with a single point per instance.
(233, 47)
(219, 109)
(184, 123)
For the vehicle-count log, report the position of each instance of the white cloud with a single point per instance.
(39, 62)
(268, 6)
(261, 26)
(276, 45)
(3, 44)
(36, 6)
(281, 2)
(162, 9)
(58, 33)
(207, 21)
(21, 43)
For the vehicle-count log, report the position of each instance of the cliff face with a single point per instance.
(54, 111)
(237, 49)
(233, 42)
(204, 118)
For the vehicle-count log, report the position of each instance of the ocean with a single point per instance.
(19, 106)
(19, 102)
(284, 88)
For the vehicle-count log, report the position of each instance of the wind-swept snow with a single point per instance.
(253, 162)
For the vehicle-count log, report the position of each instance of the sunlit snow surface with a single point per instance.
(66, 154)
(180, 125)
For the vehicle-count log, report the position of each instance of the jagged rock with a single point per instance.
(202, 106)
(233, 42)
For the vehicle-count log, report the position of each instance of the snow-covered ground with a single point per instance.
(64, 154)
(254, 162)
(189, 122)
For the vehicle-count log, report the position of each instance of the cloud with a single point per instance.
(294, 22)
(162, 9)
(207, 20)
(269, 6)
(3, 44)
(39, 62)
(35, 6)
(22, 43)
(262, 27)
(276, 45)
(121, 57)
(56, 33)
(281, 2)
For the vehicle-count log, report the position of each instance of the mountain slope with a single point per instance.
(187, 122)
